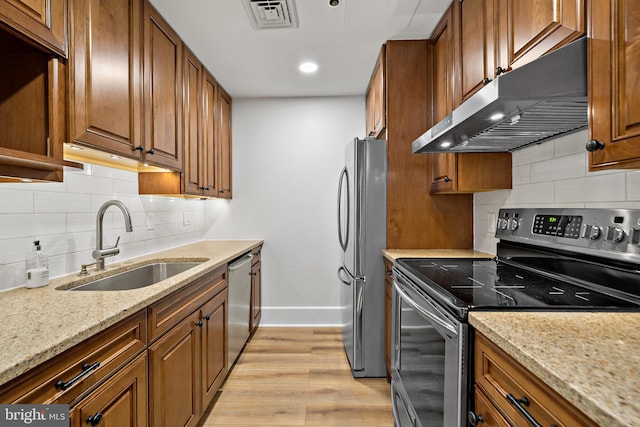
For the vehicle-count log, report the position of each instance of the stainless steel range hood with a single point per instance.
(539, 100)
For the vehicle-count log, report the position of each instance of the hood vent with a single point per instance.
(540, 100)
(272, 13)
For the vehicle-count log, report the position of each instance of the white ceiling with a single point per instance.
(344, 41)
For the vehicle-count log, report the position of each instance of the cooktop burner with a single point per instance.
(486, 283)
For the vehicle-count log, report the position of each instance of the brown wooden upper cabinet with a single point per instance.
(224, 143)
(497, 35)
(162, 65)
(375, 99)
(461, 172)
(105, 76)
(43, 22)
(33, 123)
(614, 72)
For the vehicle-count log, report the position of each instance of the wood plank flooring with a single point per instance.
(299, 377)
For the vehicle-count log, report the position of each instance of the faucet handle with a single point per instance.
(115, 245)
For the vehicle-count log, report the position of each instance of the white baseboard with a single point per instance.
(301, 316)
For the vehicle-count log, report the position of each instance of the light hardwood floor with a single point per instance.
(299, 376)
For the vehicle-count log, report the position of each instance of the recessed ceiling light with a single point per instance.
(496, 117)
(308, 67)
(334, 3)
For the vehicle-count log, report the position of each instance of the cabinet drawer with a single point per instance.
(504, 380)
(169, 311)
(67, 376)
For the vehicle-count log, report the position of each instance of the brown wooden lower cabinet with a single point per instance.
(511, 390)
(174, 365)
(214, 346)
(256, 290)
(121, 401)
(484, 413)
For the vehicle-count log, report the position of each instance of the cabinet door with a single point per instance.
(444, 169)
(476, 45)
(209, 126)
(119, 402)
(193, 153)
(105, 75)
(536, 27)
(42, 21)
(375, 98)
(214, 346)
(487, 414)
(256, 295)
(614, 73)
(162, 91)
(174, 370)
(224, 144)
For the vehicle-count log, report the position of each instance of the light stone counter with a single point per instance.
(393, 254)
(38, 324)
(592, 359)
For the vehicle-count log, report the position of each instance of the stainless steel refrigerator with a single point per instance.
(362, 210)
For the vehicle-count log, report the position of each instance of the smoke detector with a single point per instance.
(272, 13)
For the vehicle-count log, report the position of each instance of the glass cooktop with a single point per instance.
(485, 283)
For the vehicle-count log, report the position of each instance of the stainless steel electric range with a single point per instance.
(547, 259)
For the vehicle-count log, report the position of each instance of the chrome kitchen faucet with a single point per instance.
(100, 253)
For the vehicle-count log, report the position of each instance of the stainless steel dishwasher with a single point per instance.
(239, 306)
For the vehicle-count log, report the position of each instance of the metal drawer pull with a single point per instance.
(86, 370)
(94, 420)
(524, 401)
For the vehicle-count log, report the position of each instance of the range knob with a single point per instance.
(616, 234)
(594, 233)
(513, 224)
(503, 224)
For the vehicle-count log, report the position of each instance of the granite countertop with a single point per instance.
(592, 359)
(38, 324)
(393, 254)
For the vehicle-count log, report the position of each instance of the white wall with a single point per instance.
(287, 154)
(555, 174)
(63, 217)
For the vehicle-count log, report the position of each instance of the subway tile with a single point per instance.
(63, 244)
(114, 173)
(16, 201)
(37, 225)
(633, 185)
(560, 168)
(600, 188)
(618, 205)
(531, 193)
(78, 222)
(88, 184)
(15, 250)
(533, 153)
(124, 187)
(573, 143)
(65, 202)
(498, 197)
(521, 175)
(11, 276)
(132, 202)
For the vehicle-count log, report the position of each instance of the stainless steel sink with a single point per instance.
(140, 277)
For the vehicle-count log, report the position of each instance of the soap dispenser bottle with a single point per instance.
(37, 267)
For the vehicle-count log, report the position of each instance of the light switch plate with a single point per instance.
(491, 219)
(151, 221)
(186, 218)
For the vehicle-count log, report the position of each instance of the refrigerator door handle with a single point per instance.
(343, 241)
(344, 276)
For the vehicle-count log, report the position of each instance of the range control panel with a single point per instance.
(612, 233)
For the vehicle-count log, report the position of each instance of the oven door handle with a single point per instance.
(424, 312)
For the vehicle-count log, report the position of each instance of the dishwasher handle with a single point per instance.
(240, 262)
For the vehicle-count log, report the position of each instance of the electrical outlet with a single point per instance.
(491, 219)
(151, 221)
(186, 218)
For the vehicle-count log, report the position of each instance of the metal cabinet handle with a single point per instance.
(86, 370)
(207, 317)
(474, 419)
(517, 403)
(199, 323)
(139, 148)
(447, 179)
(151, 151)
(486, 81)
(94, 420)
(594, 145)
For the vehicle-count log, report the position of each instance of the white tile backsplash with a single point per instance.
(555, 174)
(63, 217)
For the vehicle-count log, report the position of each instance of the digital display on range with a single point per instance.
(557, 225)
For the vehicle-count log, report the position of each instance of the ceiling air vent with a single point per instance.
(272, 13)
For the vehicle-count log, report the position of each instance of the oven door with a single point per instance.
(429, 373)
